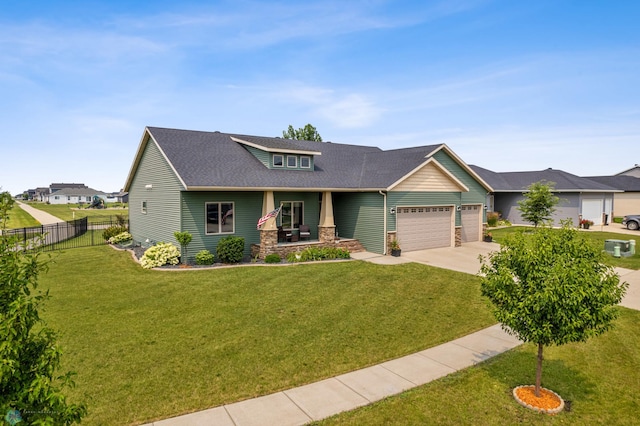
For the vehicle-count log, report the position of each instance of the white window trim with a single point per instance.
(292, 202)
(274, 160)
(295, 160)
(305, 157)
(144, 207)
(219, 203)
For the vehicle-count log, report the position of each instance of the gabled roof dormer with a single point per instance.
(278, 154)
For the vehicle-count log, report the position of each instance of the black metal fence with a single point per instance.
(63, 235)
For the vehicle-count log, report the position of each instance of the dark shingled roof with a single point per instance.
(622, 182)
(214, 159)
(519, 181)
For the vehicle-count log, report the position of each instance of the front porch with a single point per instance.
(270, 243)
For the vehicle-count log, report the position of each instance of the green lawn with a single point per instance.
(18, 218)
(69, 212)
(154, 344)
(600, 377)
(631, 262)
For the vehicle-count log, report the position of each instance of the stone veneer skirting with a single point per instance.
(283, 249)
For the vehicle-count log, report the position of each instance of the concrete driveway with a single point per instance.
(465, 259)
(462, 259)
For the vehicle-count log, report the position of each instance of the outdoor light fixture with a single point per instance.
(458, 208)
(148, 186)
(392, 210)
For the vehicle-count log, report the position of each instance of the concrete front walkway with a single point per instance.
(322, 399)
(43, 217)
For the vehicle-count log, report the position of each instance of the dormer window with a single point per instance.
(278, 160)
(292, 161)
(305, 162)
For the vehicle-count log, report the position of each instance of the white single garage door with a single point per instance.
(471, 216)
(420, 228)
(592, 210)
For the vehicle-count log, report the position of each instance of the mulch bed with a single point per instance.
(549, 402)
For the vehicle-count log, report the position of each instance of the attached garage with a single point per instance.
(420, 228)
(471, 219)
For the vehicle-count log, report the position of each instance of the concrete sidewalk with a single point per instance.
(43, 217)
(348, 391)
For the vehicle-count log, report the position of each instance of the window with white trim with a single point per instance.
(143, 208)
(305, 162)
(278, 160)
(219, 218)
(292, 214)
(292, 161)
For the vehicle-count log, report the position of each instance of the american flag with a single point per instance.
(267, 216)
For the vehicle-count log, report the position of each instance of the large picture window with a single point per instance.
(219, 218)
(292, 214)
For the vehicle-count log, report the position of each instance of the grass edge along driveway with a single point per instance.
(148, 345)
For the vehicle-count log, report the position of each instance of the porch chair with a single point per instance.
(305, 232)
(282, 234)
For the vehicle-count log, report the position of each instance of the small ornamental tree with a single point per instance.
(31, 387)
(306, 133)
(550, 287)
(539, 202)
(184, 238)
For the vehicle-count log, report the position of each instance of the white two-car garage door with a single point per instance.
(420, 228)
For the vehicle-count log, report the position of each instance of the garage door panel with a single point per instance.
(421, 228)
(470, 216)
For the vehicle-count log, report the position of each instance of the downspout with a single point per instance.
(384, 197)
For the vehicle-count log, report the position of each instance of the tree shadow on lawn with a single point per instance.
(518, 367)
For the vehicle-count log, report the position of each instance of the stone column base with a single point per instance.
(327, 234)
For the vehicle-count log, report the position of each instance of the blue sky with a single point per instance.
(508, 85)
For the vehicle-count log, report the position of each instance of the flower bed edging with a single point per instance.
(554, 410)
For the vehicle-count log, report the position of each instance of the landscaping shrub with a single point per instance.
(230, 249)
(492, 218)
(121, 238)
(319, 253)
(159, 255)
(272, 258)
(204, 257)
(112, 231)
(617, 219)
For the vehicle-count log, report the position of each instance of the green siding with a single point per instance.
(477, 193)
(360, 216)
(163, 200)
(247, 210)
(261, 155)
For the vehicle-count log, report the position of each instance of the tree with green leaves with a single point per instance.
(306, 133)
(184, 238)
(539, 202)
(551, 287)
(31, 388)
(6, 204)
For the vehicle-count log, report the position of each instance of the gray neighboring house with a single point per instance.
(633, 171)
(626, 202)
(580, 198)
(214, 184)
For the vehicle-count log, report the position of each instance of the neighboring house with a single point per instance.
(117, 197)
(41, 193)
(58, 186)
(74, 196)
(213, 184)
(580, 198)
(626, 202)
(634, 171)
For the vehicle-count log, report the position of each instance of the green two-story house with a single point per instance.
(214, 184)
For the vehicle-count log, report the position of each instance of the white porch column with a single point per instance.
(267, 206)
